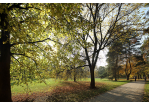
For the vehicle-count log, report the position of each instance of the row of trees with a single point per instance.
(77, 32)
(126, 61)
(125, 57)
(129, 57)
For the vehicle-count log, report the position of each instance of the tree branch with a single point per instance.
(33, 42)
(25, 56)
(18, 5)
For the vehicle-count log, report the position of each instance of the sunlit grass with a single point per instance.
(35, 86)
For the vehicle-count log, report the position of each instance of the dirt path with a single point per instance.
(130, 92)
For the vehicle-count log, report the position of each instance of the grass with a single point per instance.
(146, 92)
(66, 91)
(35, 86)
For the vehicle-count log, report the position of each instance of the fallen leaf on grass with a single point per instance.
(67, 92)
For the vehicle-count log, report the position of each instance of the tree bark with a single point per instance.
(5, 88)
(128, 76)
(138, 76)
(115, 75)
(92, 85)
(74, 76)
(116, 68)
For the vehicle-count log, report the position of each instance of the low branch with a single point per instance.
(33, 42)
(24, 56)
(15, 59)
(81, 66)
(18, 5)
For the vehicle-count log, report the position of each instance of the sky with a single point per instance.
(102, 58)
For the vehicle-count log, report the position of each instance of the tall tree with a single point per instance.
(106, 24)
(23, 27)
(114, 57)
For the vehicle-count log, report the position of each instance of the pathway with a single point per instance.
(130, 92)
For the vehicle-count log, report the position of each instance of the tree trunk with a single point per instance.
(5, 88)
(118, 74)
(74, 74)
(74, 78)
(138, 76)
(128, 76)
(116, 68)
(92, 85)
(115, 75)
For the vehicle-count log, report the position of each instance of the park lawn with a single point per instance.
(65, 91)
(35, 86)
(146, 92)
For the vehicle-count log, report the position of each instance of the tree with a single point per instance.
(23, 27)
(70, 64)
(101, 72)
(114, 58)
(130, 51)
(145, 53)
(144, 49)
(106, 24)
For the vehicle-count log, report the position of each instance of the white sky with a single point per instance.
(102, 56)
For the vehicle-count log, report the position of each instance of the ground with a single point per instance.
(70, 91)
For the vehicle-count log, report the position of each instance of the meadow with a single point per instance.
(63, 91)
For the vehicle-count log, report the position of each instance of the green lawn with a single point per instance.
(50, 83)
(35, 86)
(69, 90)
(146, 92)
